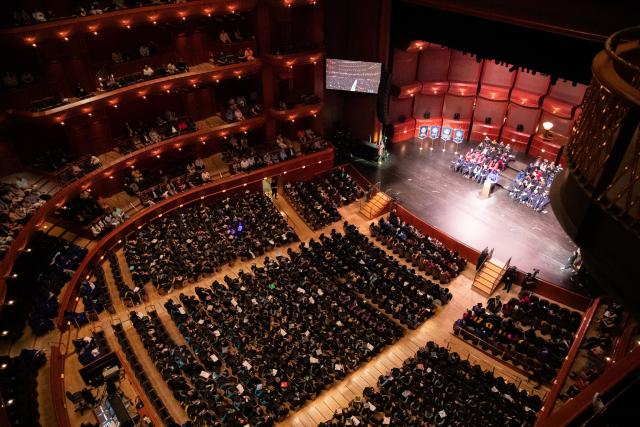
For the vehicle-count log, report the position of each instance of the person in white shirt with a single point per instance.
(147, 71)
(171, 69)
(39, 16)
(224, 37)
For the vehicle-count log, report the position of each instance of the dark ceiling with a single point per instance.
(591, 19)
(560, 54)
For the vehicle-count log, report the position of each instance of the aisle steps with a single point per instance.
(376, 206)
(488, 278)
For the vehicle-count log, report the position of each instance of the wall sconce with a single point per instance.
(547, 126)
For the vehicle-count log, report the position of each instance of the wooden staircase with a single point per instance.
(376, 206)
(489, 275)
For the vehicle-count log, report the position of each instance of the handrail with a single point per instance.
(484, 261)
(109, 97)
(563, 373)
(307, 163)
(499, 277)
(57, 389)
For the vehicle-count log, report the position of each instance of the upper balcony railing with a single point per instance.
(604, 147)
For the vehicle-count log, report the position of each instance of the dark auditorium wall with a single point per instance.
(353, 32)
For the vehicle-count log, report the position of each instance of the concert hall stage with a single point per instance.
(425, 185)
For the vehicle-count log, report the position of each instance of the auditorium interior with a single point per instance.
(319, 213)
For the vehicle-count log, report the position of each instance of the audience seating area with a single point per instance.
(279, 335)
(527, 331)
(198, 240)
(317, 201)
(38, 276)
(177, 365)
(486, 161)
(91, 347)
(138, 371)
(130, 296)
(424, 252)
(166, 126)
(95, 294)
(436, 387)
(19, 388)
(369, 271)
(17, 203)
(531, 186)
(243, 157)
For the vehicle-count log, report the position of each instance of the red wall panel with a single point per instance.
(537, 84)
(496, 110)
(400, 107)
(434, 64)
(458, 104)
(528, 117)
(428, 103)
(464, 68)
(404, 67)
(497, 75)
(564, 91)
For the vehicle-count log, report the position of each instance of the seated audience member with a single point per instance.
(436, 387)
(147, 71)
(171, 69)
(144, 50)
(224, 37)
(248, 54)
(10, 79)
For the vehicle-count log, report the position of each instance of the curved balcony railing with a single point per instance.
(197, 74)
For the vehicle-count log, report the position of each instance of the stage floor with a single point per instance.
(425, 185)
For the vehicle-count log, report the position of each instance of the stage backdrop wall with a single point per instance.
(479, 88)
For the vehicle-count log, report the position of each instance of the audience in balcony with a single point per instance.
(244, 158)
(199, 239)
(165, 126)
(310, 142)
(436, 387)
(17, 203)
(224, 37)
(531, 186)
(239, 108)
(37, 277)
(486, 161)
(82, 8)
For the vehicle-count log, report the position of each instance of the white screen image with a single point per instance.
(353, 76)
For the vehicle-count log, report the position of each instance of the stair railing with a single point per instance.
(483, 262)
(499, 278)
